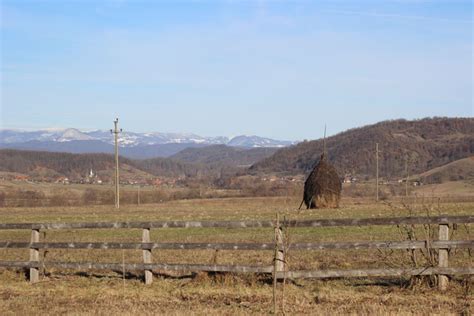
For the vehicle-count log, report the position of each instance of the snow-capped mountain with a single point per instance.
(256, 141)
(73, 134)
(132, 139)
(8, 136)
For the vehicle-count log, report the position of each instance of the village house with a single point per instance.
(349, 179)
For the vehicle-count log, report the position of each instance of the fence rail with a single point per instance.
(278, 269)
(140, 266)
(249, 224)
(388, 272)
(334, 273)
(437, 244)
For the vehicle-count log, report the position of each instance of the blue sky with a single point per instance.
(279, 69)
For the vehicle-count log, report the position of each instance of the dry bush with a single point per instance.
(358, 190)
(185, 194)
(64, 198)
(2, 199)
(89, 196)
(154, 196)
(422, 257)
(25, 198)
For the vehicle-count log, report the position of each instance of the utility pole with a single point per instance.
(377, 171)
(116, 131)
(406, 172)
(138, 195)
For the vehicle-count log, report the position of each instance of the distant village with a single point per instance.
(93, 177)
(348, 179)
(90, 177)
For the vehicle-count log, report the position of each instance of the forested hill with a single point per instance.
(210, 161)
(51, 164)
(222, 155)
(65, 164)
(427, 143)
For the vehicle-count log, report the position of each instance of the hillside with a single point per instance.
(166, 167)
(224, 155)
(98, 146)
(38, 164)
(50, 165)
(73, 146)
(462, 169)
(428, 143)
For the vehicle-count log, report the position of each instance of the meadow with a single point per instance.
(105, 292)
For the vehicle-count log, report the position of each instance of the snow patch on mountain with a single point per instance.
(256, 141)
(132, 139)
(73, 134)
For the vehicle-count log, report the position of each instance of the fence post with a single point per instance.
(443, 234)
(34, 256)
(147, 256)
(278, 259)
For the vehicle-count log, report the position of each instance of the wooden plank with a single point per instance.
(19, 264)
(247, 224)
(383, 272)
(443, 234)
(161, 224)
(34, 256)
(147, 256)
(149, 266)
(383, 244)
(141, 266)
(113, 245)
(16, 226)
(381, 221)
(322, 274)
(243, 246)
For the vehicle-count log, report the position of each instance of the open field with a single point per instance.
(33, 194)
(87, 292)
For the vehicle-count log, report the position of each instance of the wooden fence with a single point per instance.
(278, 269)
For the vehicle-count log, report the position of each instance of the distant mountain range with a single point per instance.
(425, 144)
(133, 145)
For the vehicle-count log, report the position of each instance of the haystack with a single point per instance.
(323, 187)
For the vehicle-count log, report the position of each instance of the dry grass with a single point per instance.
(100, 292)
(230, 295)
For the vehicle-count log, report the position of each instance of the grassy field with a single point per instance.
(102, 292)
